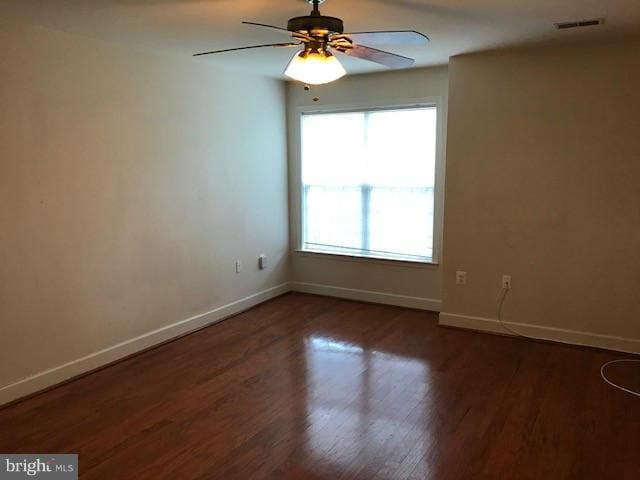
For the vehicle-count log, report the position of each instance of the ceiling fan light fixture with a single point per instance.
(315, 67)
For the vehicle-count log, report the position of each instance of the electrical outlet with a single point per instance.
(506, 282)
(262, 262)
(238, 266)
(461, 278)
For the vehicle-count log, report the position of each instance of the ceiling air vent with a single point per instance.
(581, 23)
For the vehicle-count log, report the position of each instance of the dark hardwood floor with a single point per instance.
(308, 387)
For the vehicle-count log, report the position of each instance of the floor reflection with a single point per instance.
(353, 395)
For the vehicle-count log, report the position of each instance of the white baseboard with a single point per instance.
(420, 303)
(55, 375)
(572, 337)
(88, 363)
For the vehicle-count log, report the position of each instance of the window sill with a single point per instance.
(349, 257)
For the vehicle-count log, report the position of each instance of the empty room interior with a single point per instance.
(378, 240)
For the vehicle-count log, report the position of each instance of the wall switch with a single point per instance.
(262, 262)
(238, 266)
(506, 282)
(461, 278)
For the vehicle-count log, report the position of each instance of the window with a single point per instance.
(368, 180)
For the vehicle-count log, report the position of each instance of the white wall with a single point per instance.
(129, 184)
(543, 183)
(390, 280)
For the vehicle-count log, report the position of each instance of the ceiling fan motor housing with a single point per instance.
(311, 23)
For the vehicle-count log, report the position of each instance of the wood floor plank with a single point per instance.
(309, 387)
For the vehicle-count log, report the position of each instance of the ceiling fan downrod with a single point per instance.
(316, 7)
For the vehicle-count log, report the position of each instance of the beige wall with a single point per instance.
(543, 183)
(129, 184)
(374, 89)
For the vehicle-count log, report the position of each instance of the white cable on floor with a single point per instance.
(499, 304)
(604, 376)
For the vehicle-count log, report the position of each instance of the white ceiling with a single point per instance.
(184, 27)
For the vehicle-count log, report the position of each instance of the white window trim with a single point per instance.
(297, 188)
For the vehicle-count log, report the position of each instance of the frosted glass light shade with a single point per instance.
(315, 67)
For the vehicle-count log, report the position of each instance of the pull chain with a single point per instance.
(307, 88)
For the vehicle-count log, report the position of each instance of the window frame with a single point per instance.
(298, 187)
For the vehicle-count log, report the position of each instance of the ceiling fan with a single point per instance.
(318, 36)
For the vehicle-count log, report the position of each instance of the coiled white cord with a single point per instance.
(604, 376)
(499, 304)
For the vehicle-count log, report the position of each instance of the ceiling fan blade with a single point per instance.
(270, 27)
(387, 59)
(279, 30)
(398, 37)
(277, 45)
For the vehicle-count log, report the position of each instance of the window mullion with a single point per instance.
(366, 201)
(366, 188)
(305, 213)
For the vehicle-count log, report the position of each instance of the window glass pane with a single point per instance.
(402, 147)
(401, 221)
(333, 149)
(334, 217)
